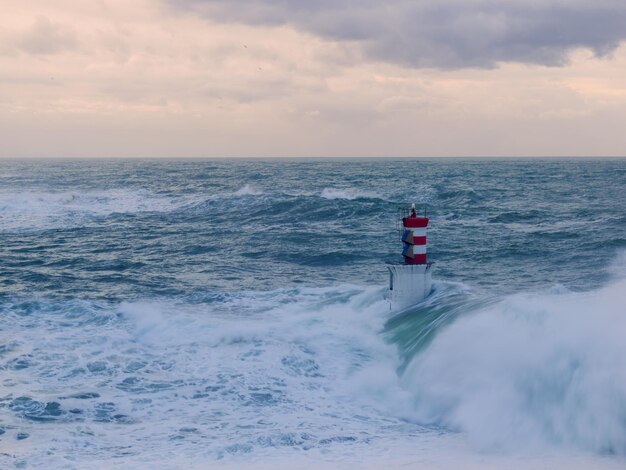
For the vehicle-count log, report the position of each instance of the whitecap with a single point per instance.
(39, 210)
(348, 194)
(248, 190)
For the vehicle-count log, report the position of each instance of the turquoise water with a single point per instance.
(214, 312)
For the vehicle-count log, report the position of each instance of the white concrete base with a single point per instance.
(409, 284)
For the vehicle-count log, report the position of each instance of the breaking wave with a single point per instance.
(248, 190)
(348, 194)
(530, 371)
(297, 369)
(36, 210)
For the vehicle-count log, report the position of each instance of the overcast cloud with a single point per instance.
(46, 37)
(317, 78)
(442, 33)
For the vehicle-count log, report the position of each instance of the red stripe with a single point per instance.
(415, 222)
(419, 240)
(417, 259)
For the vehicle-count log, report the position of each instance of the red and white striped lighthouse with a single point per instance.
(414, 239)
(410, 282)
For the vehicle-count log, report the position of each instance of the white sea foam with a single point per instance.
(248, 190)
(349, 194)
(533, 371)
(419, 193)
(617, 269)
(301, 377)
(36, 210)
(218, 382)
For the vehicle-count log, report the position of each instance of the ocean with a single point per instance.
(233, 314)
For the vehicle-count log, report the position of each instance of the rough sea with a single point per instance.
(232, 314)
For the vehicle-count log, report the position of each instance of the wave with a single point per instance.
(306, 369)
(530, 371)
(248, 190)
(289, 369)
(36, 210)
(348, 194)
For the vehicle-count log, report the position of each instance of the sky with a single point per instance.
(325, 78)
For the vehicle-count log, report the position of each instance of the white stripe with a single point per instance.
(418, 232)
(419, 249)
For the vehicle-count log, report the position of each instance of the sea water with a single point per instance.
(233, 314)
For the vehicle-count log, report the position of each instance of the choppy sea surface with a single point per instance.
(232, 314)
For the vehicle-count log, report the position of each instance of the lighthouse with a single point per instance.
(410, 281)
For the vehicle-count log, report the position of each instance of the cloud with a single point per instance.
(46, 37)
(142, 79)
(444, 34)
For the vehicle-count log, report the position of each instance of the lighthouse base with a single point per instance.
(409, 284)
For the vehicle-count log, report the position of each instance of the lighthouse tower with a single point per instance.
(410, 282)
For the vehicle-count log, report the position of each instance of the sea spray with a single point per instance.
(534, 370)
